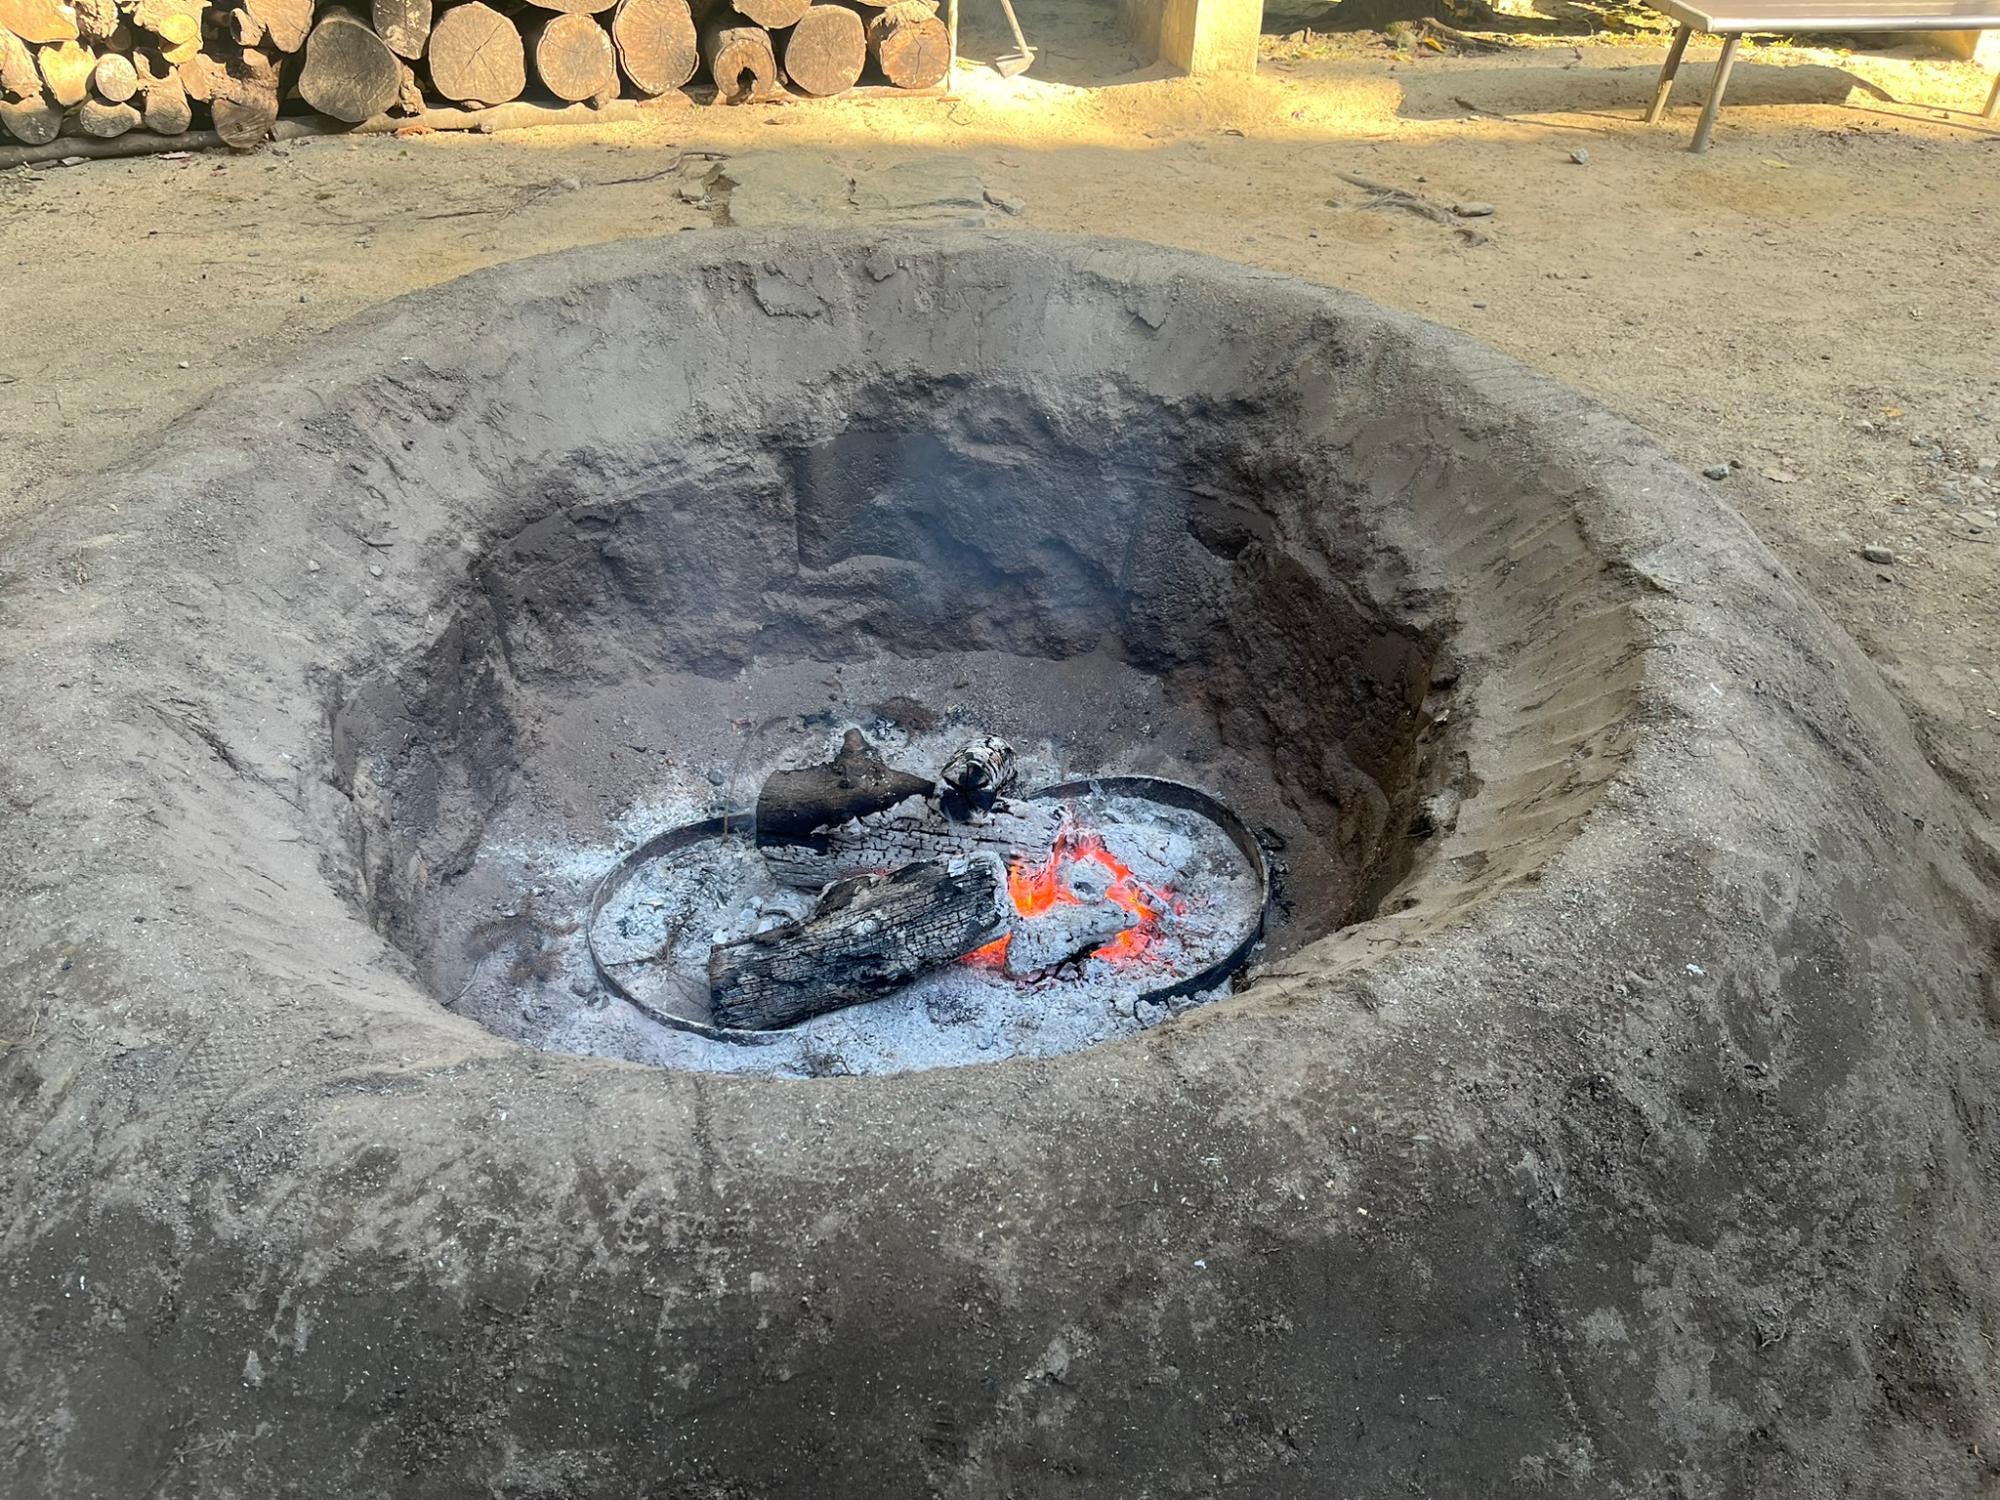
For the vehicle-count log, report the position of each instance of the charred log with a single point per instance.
(795, 807)
(865, 938)
(916, 828)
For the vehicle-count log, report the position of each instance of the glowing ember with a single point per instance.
(1037, 890)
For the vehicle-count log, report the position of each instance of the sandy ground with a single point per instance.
(1816, 304)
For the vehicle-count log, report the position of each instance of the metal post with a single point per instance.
(1993, 102)
(1715, 91)
(1666, 84)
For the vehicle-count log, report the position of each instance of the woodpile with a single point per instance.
(102, 68)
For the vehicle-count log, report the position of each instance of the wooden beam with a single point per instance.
(1198, 36)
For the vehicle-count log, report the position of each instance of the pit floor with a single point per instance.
(1817, 300)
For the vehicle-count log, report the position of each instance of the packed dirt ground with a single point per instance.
(1811, 311)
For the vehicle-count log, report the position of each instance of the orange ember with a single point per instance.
(1037, 890)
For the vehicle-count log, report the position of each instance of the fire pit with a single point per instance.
(559, 799)
(1595, 1110)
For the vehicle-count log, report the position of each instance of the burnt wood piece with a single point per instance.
(574, 58)
(475, 56)
(738, 58)
(657, 47)
(794, 807)
(979, 773)
(1067, 931)
(910, 45)
(865, 938)
(916, 828)
(826, 51)
(350, 73)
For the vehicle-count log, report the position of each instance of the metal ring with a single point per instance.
(1145, 788)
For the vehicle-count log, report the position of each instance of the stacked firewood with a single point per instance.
(105, 67)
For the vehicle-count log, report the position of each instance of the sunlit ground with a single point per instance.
(1818, 299)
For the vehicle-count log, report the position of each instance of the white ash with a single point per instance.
(962, 1013)
(1064, 933)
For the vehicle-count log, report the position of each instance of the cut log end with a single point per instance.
(114, 79)
(476, 56)
(34, 121)
(740, 61)
(39, 21)
(350, 74)
(910, 45)
(826, 50)
(104, 120)
(657, 47)
(66, 69)
(574, 58)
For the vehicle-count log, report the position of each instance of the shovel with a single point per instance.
(1009, 64)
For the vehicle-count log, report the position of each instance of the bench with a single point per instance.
(1806, 15)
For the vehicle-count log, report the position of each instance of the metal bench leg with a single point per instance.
(1666, 84)
(1993, 102)
(1714, 106)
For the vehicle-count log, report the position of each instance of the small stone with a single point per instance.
(1580, 156)
(1151, 1012)
(1716, 471)
(312, 565)
(1881, 555)
(374, 570)
(1472, 210)
(182, 365)
(568, 184)
(1125, 1005)
(716, 778)
(1007, 203)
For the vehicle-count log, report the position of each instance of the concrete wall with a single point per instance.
(1197, 36)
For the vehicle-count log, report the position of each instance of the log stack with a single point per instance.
(105, 67)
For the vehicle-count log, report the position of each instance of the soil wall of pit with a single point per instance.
(1637, 1144)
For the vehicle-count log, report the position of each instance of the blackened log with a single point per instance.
(798, 807)
(866, 938)
(917, 828)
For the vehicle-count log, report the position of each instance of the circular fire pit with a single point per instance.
(1599, 1116)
